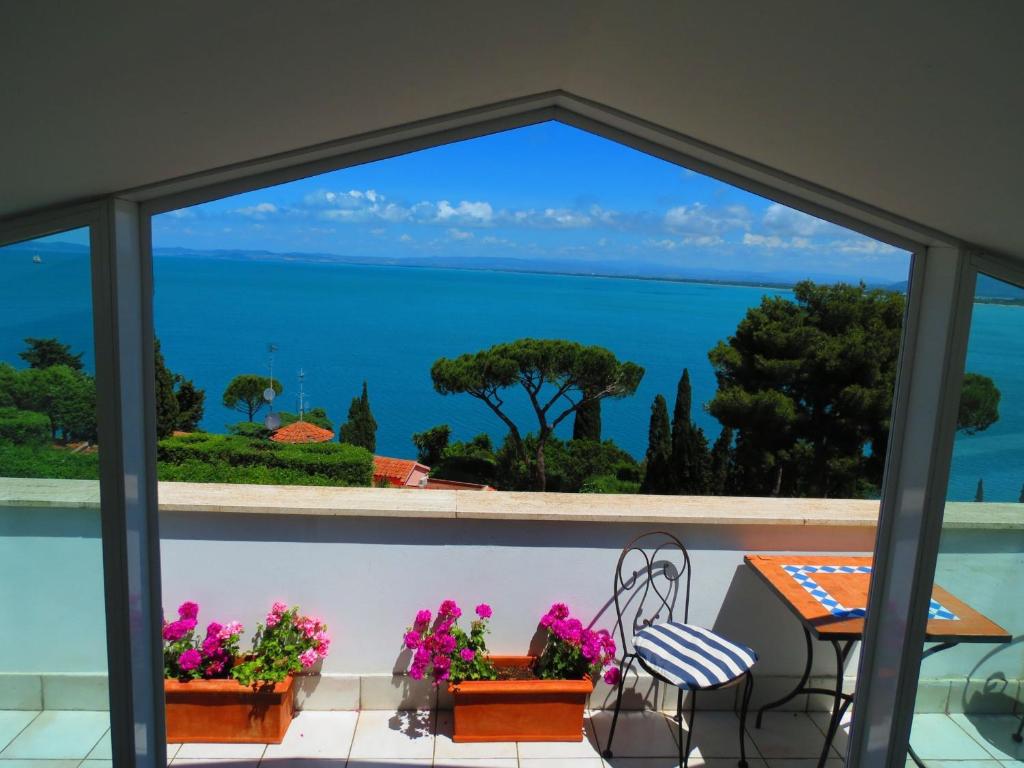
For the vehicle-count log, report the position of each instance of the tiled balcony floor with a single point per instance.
(374, 738)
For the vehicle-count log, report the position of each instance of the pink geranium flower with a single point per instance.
(484, 611)
(188, 610)
(189, 660)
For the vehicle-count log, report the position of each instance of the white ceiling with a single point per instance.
(914, 107)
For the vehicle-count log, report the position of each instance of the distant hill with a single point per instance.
(605, 268)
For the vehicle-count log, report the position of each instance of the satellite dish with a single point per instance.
(272, 421)
(269, 394)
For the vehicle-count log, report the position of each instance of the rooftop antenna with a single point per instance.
(302, 394)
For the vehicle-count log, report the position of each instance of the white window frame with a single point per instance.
(919, 451)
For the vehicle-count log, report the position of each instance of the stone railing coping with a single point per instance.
(502, 505)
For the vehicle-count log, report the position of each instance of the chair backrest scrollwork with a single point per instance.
(651, 577)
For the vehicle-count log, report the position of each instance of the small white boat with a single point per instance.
(37, 259)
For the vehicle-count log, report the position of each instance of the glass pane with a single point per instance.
(968, 695)
(53, 670)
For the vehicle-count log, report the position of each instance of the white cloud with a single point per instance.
(258, 211)
(774, 241)
(699, 219)
(459, 234)
(405, 239)
(787, 222)
(860, 244)
(377, 231)
(182, 213)
(465, 212)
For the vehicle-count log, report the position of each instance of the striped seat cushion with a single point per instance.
(691, 657)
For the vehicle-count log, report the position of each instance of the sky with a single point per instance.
(543, 194)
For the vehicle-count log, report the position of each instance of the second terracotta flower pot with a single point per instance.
(519, 710)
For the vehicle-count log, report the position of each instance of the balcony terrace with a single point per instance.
(367, 559)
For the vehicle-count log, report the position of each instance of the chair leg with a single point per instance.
(748, 690)
(684, 756)
(607, 754)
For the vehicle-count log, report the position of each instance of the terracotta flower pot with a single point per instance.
(519, 710)
(226, 711)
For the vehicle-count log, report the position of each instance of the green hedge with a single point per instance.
(208, 458)
(45, 461)
(24, 427)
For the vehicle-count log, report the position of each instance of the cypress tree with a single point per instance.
(690, 461)
(721, 464)
(657, 478)
(1021, 497)
(587, 422)
(361, 427)
(167, 408)
(979, 494)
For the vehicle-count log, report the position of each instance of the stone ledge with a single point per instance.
(503, 505)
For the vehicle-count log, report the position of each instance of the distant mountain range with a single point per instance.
(988, 288)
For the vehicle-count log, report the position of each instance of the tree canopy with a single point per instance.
(44, 353)
(67, 397)
(316, 416)
(557, 376)
(361, 427)
(244, 393)
(431, 443)
(658, 474)
(690, 461)
(806, 384)
(979, 404)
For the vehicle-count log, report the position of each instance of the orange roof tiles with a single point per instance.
(396, 471)
(302, 432)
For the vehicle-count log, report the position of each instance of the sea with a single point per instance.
(334, 326)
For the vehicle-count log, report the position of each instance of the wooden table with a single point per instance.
(828, 594)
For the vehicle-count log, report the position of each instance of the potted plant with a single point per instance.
(215, 693)
(511, 698)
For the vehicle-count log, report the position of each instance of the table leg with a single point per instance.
(800, 687)
(840, 701)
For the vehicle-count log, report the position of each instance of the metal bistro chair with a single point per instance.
(691, 658)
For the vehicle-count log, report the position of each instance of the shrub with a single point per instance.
(46, 461)
(238, 459)
(609, 484)
(24, 427)
(250, 429)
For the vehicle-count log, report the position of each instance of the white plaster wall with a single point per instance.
(368, 576)
(51, 591)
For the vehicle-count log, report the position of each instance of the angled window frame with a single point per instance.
(941, 269)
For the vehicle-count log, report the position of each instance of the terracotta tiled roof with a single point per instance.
(302, 432)
(396, 471)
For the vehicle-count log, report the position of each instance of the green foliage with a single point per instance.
(480, 667)
(167, 409)
(558, 377)
(361, 427)
(202, 457)
(47, 462)
(316, 416)
(468, 462)
(244, 393)
(979, 404)
(979, 494)
(587, 424)
(658, 461)
(44, 353)
(431, 444)
(65, 396)
(276, 649)
(609, 484)
(806, 385)
(721, 464)
(690, 463)
(251, 429)
(571, 464)
(191, 403)
(24, 427)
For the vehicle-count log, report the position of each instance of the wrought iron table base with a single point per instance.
(841, 701)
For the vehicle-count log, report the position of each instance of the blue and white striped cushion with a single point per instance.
(691, 657)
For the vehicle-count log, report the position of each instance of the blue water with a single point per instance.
(342, 324)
